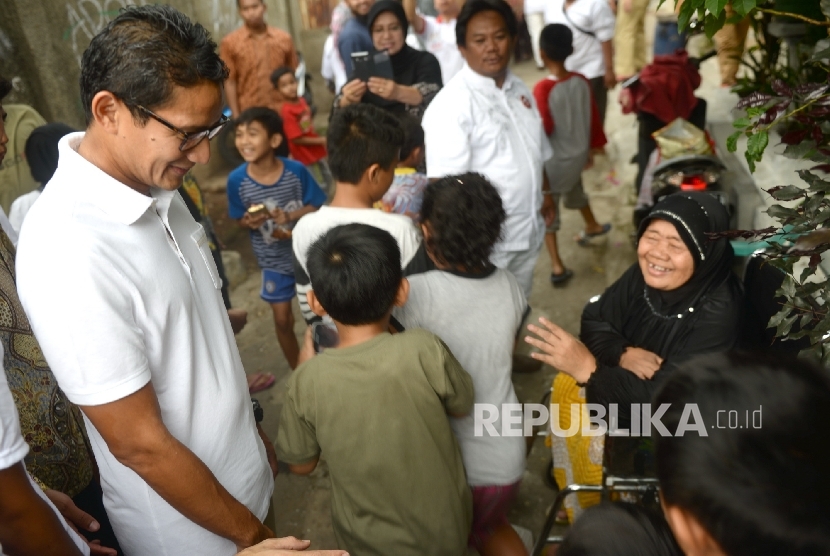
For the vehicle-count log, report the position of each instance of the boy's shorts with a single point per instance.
(490, 505)
(277, 287)
(574, 199)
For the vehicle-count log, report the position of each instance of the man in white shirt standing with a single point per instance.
(592, 23)
(438, 34)
(485, 120)
(135, 329)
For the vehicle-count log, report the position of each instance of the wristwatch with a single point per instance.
(258, 412)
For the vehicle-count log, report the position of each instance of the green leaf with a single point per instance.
(755, 111)
(743, 7)
(781, 213)
(821, 55)
(741, 123)
(815, 182)
(715, 7)
(732, 141)
(713, 23)
(785, 326)
(778, 317)
(687, 10)
(801, 150)
(787, 193)
(757, 143)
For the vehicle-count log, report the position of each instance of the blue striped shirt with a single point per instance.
(294, 189)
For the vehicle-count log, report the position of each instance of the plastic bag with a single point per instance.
(681, 138)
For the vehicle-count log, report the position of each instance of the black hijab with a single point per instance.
(409, 66)
(694, 215)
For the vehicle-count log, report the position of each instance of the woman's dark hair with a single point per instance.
(361, 135)
(463, 214)
(557, 42)
(143, 53)
(355, 272)
(413, 134)
(5, 87)
(270, 120)
(472, 8)
(278, 73)
(757, 477)
(619, 528)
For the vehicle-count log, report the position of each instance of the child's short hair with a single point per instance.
(464, 214)
(270, 120)
(758, 482)
(413, 134)
(278, 73)
(557, 42)
(361, 135)
(355, 272)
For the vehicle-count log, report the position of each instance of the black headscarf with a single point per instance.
(42, 150)
(409, 66)
(694, 214)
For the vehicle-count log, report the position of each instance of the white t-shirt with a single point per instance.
(313, 225)
(20, 208)
(439, 38)
(13, 449)
(590, 15)
(137, 299)
(481, 335)
(473, 126)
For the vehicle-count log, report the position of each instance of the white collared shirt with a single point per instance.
(121, 290)
(473, 126)
(439, 39)
(589, 15)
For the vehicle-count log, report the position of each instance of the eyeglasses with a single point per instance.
(189, 140)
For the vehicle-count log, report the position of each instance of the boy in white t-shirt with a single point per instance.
(364, 148)
(438, 34)
(477, 310)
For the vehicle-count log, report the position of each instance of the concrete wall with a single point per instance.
(41, 43)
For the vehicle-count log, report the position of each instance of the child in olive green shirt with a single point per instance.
(377, 406)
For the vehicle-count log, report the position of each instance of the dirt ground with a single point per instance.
(302, 504)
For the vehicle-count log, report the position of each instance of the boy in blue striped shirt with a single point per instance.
(268, 194)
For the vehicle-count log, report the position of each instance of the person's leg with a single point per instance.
(625, 44)
(535, 24)
(504, 541)
(600, 95)
(730, 44)
(492, 534)
(557, 267)
(520, 263)
(640, 9)
(284, 323)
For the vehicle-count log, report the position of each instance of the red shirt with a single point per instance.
(296, 121)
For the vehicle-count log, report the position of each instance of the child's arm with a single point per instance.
(418, 23)
(282, 217)
(306, 140)
(304, 468)
(541, 92)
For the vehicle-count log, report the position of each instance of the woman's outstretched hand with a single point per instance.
(561, 350)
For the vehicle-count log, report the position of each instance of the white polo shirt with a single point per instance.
(473, 126)
(590, 15)
(121, 290)
(439, 39)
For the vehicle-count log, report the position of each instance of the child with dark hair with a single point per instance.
(462, 217)
(407, 191)
(267, 195)
(364, 145)
(377, 407)
(751, 472)
(574, 128)
(303, 142)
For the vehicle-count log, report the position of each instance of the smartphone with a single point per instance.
(362, 64)
(324, 335)
(382, 65)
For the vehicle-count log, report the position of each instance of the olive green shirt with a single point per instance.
(377, 412)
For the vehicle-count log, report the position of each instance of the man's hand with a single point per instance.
(561, 350)
(353, 92)
(78, 520)
(548, 209)
(641, 362)
(269, 450)
(286, 546)
(254, 221)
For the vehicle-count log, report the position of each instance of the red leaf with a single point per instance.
(782, 88)
(794, 137)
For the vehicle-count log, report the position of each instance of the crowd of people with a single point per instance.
(408, 235)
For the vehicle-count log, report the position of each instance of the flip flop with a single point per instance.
(583, 239)
(260, 381)
(559, 280)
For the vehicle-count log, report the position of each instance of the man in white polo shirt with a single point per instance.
(486, 121)
(124, 297)
(438, 34)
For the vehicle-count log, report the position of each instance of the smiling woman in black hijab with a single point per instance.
(680, 299)
(417, 74)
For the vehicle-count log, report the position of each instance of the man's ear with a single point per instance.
(276, 140)
(693, 539)
(108, 111)
(402, 294)
(314, 304)
(372, 172)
